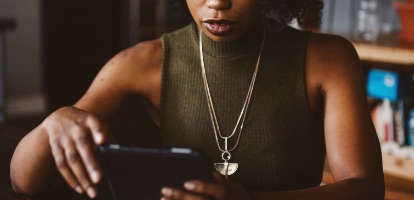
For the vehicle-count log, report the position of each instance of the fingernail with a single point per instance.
(190, 186)
(166, 192)
(91, 192)
(98, 138)
(95, 176)
(78, 189)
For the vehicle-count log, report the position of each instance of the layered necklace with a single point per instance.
(226, 168)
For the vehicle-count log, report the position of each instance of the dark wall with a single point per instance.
(79, 37)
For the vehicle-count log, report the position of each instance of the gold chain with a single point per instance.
(211, 109)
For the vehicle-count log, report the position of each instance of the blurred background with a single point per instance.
(51, 50)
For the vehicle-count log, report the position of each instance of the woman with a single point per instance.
(243, 86)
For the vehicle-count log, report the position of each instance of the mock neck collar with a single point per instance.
(249, 42)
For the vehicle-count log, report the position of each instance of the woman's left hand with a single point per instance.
(200, 190)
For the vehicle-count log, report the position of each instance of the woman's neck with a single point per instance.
(249, 42)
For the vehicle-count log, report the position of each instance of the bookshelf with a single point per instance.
(392, 54)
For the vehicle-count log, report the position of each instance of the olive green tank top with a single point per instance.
(281, 147)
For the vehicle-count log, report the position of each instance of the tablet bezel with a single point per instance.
(140, 173)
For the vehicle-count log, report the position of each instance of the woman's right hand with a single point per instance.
(73, 136)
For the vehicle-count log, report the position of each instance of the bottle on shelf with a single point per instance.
(367, 21)
(411, 128)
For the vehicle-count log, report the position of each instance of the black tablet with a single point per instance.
(140, 173)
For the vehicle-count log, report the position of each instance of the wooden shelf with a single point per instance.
(398, 167)
(385, 54)
(387, 49)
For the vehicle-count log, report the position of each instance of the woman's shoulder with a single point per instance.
(140, 58)
(133, 69)
(144, 53)
(331, 58)
(330, 44)
(331, 50)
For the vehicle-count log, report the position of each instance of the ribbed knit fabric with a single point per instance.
(281, 146)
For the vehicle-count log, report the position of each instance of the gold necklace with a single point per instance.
(227, 168)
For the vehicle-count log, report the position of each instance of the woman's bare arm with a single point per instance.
(65, 140)
(353, 151)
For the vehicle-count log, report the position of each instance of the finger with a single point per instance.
(97, 128)
(63, 168)
(84, 145)
(219, 191)
(177, 194)
(76, 165)
(171, 193)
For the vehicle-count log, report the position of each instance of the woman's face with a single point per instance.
(224, 20)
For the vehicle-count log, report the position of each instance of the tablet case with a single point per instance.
(140, 173)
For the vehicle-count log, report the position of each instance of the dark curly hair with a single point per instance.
(277, 14)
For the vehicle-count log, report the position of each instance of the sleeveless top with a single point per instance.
(281, 147)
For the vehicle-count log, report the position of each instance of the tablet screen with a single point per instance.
(140, 173)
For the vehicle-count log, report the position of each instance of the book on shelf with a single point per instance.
(393, 116)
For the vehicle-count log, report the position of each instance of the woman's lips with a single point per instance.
(219, 27)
